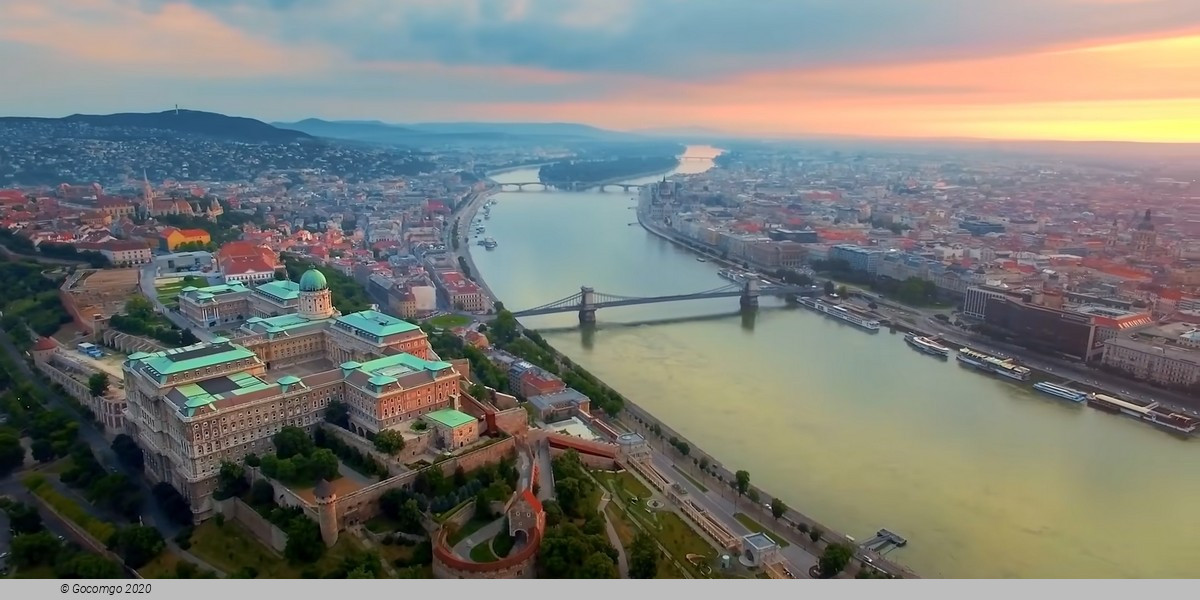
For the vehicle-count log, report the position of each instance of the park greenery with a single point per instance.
(348, 295)
(643, 557)
(29, 300)
(98, 384)
(12, 453)
(834, 560)
(356, 459)
(434, 492)
(575, 545)
(567, 172)
(297, 460)
(389, 442)
(33, 547)
(140, 318)
(112, 491)
(137, 544)
(128, 452)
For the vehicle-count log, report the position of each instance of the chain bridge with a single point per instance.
(588, 300)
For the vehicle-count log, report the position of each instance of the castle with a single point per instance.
(193, 408)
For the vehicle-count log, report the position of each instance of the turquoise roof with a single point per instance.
(280, 290)
(375, 323)
(288, 380)
(280, 323)
(450, 418)
(196, 356)
(191, 397)
(313, 281)
(398, 365)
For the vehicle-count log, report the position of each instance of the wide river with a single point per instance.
(984, 478)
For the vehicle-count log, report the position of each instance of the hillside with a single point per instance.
(215, 125)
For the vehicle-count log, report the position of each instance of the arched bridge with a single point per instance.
(588, 300)
(520, 186)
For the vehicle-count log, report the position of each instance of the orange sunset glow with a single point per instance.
(1126, 72)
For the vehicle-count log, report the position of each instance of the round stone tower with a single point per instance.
(316, 301)
(327, 512)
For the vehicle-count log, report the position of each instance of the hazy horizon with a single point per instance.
(1027, 70)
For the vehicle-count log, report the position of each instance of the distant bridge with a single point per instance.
(574, 185)
(588, 300)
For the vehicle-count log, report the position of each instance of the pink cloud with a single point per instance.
(178, 38)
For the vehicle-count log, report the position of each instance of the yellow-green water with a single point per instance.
(984, 478)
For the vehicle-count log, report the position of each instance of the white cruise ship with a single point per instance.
(840, 313)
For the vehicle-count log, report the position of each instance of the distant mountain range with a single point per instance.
(419, 134)
(239, 129)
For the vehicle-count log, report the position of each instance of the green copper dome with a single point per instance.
(313, 281)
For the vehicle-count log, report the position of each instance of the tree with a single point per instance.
(43, 451)
(830, 288)
(262, 493)
(98, 384)
(814, 534)
(304, 543)
(323, 464)
(292, 441)
(128, 452)
(598, 566)
(504, 328)
(12, 453)
(778, 508)
(743, 482)
(172, 502)
(643, 557)
(338, 414)
(231, 481)
(684, 448)
(34, 549)
(137, 544)
(24, 519)
(704, 463)
(82, 565)
(389, 441)
(752, 494)
(841, 291)
(834, 559)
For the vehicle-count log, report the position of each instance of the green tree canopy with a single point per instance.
(98, 384)
(834, 559)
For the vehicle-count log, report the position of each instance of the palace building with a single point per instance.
(192, 408)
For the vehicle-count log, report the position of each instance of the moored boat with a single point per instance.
(1060, 391)
(926, 345)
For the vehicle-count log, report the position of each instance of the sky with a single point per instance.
(1012, 69)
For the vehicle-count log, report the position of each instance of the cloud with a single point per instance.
(694, 38)
(874, 67)
(176, 37)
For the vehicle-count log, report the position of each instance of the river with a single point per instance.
(984, 478)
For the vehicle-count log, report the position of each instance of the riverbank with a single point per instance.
(467, 215)
(792, 525)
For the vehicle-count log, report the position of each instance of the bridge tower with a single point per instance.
(587, 305)
(750, 293)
